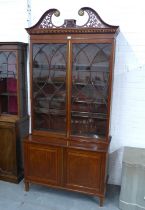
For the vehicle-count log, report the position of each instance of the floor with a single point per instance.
(13, 197)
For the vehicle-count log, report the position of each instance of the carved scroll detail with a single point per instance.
(46, 21)
(94, 20)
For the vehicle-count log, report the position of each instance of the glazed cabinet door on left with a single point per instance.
(49, 87)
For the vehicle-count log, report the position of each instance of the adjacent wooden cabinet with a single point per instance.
(13, 109)
(71, 70)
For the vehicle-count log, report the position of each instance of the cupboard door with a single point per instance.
(84, 170)
(90, 86)
(8, 166)
(8, 83)
(49, 87)
(43, 164)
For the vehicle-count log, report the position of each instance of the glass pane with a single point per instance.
(8, 83)
(49, 86)
(90, 75)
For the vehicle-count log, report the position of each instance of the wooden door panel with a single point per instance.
(44, 164)
(84, 170)
(7, 149)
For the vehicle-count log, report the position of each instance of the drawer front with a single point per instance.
(85, 171)
(42, 164)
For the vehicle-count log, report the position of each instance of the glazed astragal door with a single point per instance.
(8, 83)
(49, 87)
(90, 82)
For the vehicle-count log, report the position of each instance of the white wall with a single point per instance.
(128, 115)
(13, 20)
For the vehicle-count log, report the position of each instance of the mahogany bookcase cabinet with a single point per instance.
(71, 85)
(13, 109)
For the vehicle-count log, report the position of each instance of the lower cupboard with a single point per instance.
(12, 131)
(66, 168)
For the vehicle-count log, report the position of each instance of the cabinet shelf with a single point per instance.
(46, 99)
(49, 111)
(8, 94)
(49, 82)
(62, 99)
(88, 102)
(48, 69)
(98, 67)
(94, 83)
(74, 83)
(74, 113)
(89, 115)
(7, 74)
